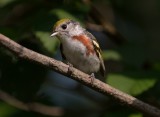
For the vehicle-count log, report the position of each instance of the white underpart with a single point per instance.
(75, 53)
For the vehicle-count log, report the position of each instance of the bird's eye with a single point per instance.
(64, 26)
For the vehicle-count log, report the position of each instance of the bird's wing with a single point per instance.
(98, 52)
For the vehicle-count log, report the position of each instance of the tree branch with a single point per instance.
(79, 76)
(34, 106)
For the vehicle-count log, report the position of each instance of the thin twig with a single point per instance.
(108, 27)
(79, 76)
(34, 106)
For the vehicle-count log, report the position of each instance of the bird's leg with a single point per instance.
(92, 76)
(70, 68)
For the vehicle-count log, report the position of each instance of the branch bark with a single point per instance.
(79, 76)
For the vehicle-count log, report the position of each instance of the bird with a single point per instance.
(79, 48)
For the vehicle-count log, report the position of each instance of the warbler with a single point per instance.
(79, 47)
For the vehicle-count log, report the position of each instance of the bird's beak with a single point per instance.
(54, 34)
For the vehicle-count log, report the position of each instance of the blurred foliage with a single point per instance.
(51, 45)
(6, 110)
(132, 66)
(132, 84)
(111, 55)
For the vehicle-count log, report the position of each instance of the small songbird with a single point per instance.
(79, 47)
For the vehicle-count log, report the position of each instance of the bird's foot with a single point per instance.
(70, 68)
(92, 76)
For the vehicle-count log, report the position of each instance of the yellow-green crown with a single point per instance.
(58, 23)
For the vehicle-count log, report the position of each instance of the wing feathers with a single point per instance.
(98, 52)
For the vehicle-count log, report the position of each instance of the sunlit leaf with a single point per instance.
(142, 85)
(131, 84)
(121, 82)
(5, 2)
(6, 110)
(136, 115)
(48, 42)
(111, 55)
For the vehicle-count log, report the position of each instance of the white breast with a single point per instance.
(75, 53)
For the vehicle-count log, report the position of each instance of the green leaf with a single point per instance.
(142, 85)
(6, 110)
(156, 66)
(136, 115)
(5, 2)
(133, 84)
(121, 82)
(49, 43)
(111, 55)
